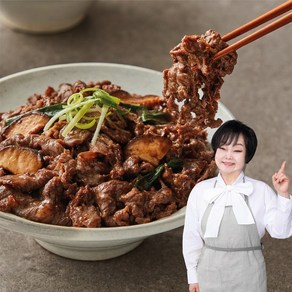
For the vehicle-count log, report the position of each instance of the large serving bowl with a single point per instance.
(87, 243)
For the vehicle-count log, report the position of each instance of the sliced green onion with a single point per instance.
(63, 112)
(74, 98)
(90, 118)
(106, 99)
(84, 126)
(55, 118)
(77, 118)
(103, 113)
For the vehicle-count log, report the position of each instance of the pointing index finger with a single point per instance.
(282, 168)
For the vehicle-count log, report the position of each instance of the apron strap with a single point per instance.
(260, 247)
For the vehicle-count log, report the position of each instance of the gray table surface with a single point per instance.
(142, 33)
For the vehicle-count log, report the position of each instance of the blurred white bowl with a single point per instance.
(87, 243)
(43, 16)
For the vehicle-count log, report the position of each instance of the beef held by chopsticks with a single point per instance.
(195, 79)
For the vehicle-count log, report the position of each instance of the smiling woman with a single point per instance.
(227, 216)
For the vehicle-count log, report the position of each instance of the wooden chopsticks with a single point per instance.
(258, 21)
(287, 6)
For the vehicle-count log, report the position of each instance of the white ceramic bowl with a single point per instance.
(87, 243)
(43, 16)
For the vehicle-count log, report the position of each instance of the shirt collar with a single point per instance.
(220, 181)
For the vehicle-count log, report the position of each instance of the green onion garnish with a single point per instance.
(84, 112)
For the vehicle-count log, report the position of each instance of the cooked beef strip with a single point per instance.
(83, 209)
(8, 198)
(134, 166)
(51, 147)
(106, 147)
(159, 212)
(155, 198)
(134, 202)
(108, 195)
(28, 182)
(91, 170)
(77, 137)
(64, 165)
(101, 163)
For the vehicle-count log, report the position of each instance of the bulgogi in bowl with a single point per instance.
(93, 155)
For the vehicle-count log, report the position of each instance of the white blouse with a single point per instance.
(270, 211)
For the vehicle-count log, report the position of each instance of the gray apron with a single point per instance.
(232, 262)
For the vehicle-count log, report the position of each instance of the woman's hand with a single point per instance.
(194, 287)
(281, 181)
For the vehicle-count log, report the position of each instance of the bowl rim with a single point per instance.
(42, 230)
(78, 65)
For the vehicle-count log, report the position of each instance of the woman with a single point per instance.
(227, 216)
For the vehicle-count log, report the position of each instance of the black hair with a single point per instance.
(229, 132)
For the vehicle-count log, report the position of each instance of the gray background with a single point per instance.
(142, 33)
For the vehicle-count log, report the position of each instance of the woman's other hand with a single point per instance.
(281, 181)
(194, 287)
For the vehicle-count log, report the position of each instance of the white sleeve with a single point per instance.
(278, 215)
(192, 241)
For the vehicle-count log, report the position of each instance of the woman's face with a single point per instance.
(230, 159)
